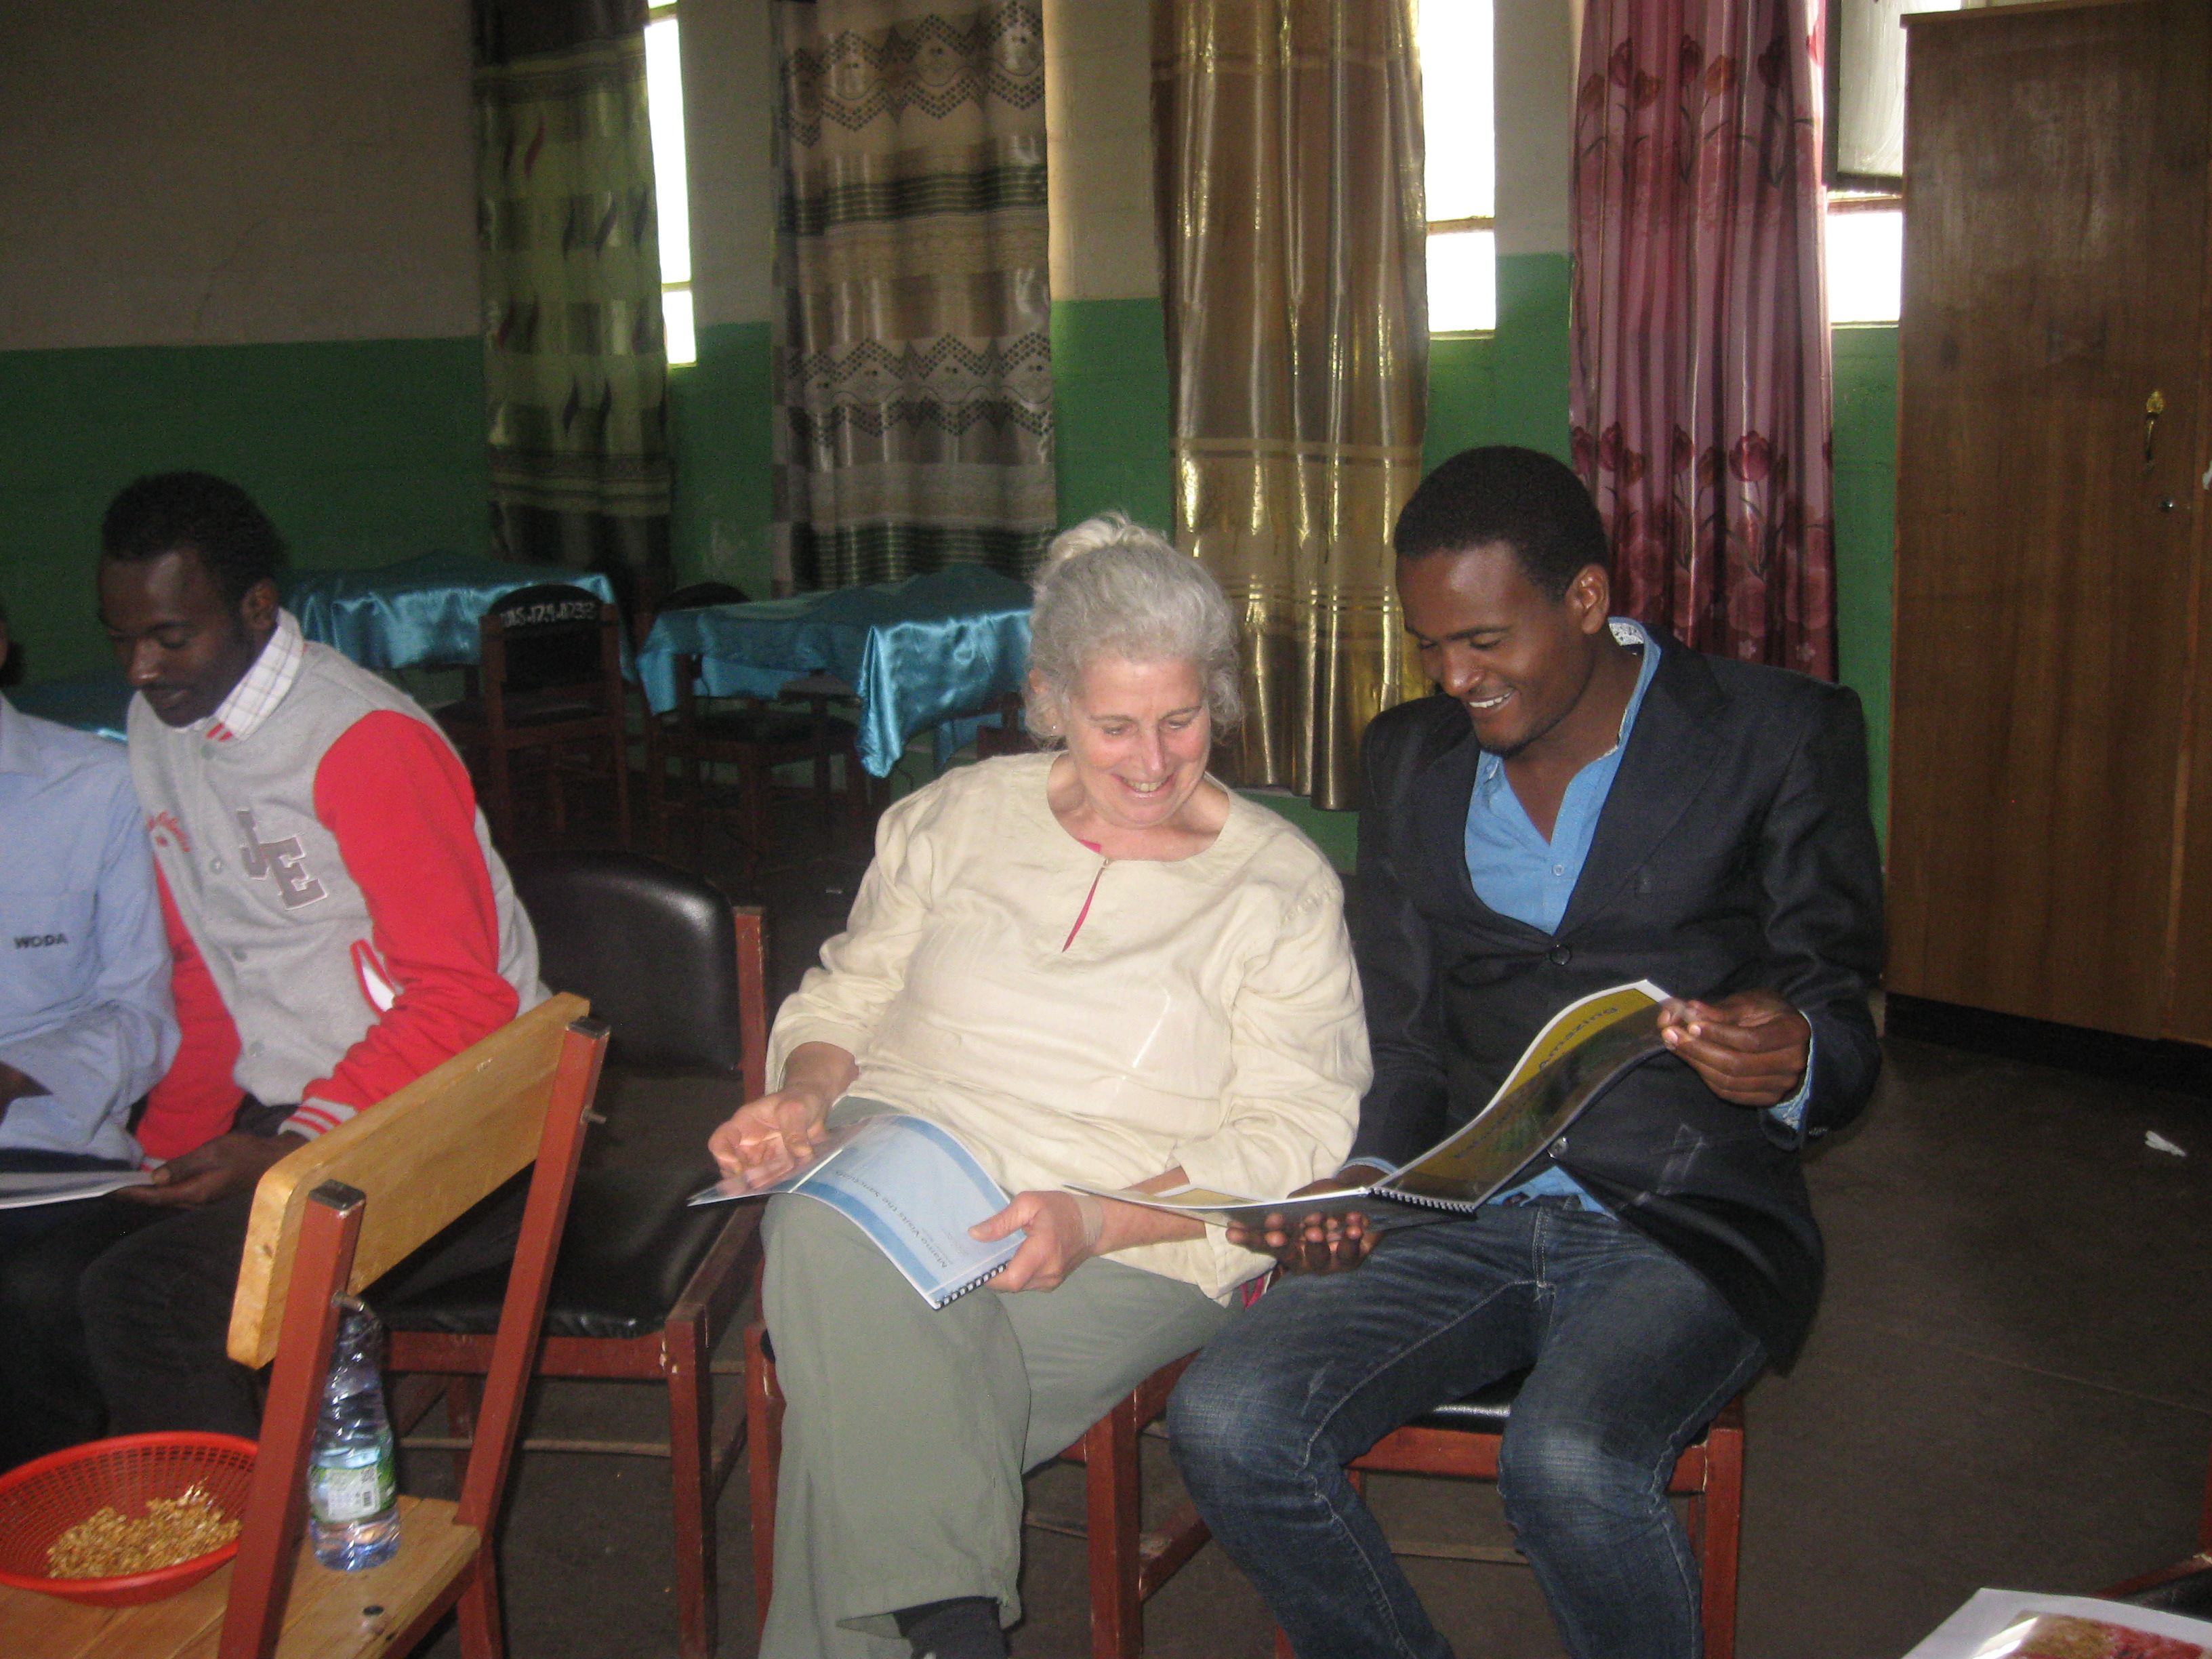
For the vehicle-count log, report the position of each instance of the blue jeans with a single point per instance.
(1632, 1354)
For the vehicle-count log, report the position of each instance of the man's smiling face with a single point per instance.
(1517, 660)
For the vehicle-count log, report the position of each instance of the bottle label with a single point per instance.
(337, 1494)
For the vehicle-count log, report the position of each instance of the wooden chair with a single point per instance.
(753, 737)
(550, 679)
(327, 1220)
(645, 1286)
(1128, 1563)
(1464, 1438)
(1010, 736)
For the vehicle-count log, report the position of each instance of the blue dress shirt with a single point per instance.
(1518, 873)
(84, 962)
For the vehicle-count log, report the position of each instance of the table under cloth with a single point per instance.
(917, 651)
(420, 610)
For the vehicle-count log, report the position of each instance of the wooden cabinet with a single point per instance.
(2050, 804)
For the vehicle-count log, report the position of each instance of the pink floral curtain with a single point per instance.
(1701, 388)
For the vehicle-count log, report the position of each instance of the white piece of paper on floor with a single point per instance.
(1974, 1629)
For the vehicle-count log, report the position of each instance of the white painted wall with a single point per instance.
(729, 101)
(224, 172)
(1535, 87)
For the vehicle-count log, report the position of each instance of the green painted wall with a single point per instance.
(718, 418)
(363, 452)
(1110, 413)
(1509, 387)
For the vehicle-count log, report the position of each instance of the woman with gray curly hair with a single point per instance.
(1094, 963)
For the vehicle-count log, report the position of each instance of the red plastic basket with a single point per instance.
(47, 1497)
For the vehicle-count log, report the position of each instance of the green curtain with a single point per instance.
(914, 363)
(576, 368)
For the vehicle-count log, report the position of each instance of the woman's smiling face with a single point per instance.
(1138, 735)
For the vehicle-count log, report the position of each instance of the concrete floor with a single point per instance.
(2007, 1386)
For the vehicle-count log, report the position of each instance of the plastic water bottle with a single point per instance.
(353, 1493)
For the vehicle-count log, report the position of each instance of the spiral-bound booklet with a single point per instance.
(912, 1188)
(1583, 1050)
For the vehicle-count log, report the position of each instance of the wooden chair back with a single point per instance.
(550, 636)
(324, 1219)
(550, 677)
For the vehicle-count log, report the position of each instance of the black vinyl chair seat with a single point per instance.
(1483, 1412)
(629, 1248)
(643, 1285)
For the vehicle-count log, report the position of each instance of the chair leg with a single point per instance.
(691, 1457)
(763, 1456)
(621, 789)
(1113, 1495)
(478, 1611)
(1720, 1523)
(464, 1395)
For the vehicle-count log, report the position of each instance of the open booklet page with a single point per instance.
(913, 1189)
(1581, 1052)
(19, 1192)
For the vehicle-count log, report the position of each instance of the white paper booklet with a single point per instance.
(912, 1188)
(2016, 1625)
(1581, 1052)
(19, 1192)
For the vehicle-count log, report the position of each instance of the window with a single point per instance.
(664, 97)
(1865, 159)
(1866, 259)
(1455, 46)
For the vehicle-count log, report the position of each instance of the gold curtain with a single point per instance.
(1288, 149)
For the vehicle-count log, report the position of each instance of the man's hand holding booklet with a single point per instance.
(1581, 1052)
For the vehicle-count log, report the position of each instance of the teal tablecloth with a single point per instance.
(420, 611)
(917, 650)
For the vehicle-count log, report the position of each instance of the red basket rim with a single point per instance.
(92, 1450)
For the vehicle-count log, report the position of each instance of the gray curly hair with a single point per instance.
(1109, 587)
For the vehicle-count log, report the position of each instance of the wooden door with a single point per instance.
(2055, 243)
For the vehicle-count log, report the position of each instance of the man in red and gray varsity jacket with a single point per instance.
(339, 920)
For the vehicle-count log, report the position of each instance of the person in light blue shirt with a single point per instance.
(86, 1027)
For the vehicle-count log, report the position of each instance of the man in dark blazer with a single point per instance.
(1587, 802)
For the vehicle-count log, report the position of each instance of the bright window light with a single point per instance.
(1463, 281)
(663, 94)
(1866, 265)
(676, 320)
(1462, 182)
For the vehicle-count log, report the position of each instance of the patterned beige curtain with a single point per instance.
(1288, 145)
(913, 360)
(575, 369)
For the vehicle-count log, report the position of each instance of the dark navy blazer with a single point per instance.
(1734, 851)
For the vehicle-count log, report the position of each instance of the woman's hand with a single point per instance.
(1064, 1231)
(778, 1134)
(770, 1138)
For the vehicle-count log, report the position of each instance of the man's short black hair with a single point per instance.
(1522, 497)
(211, 516)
